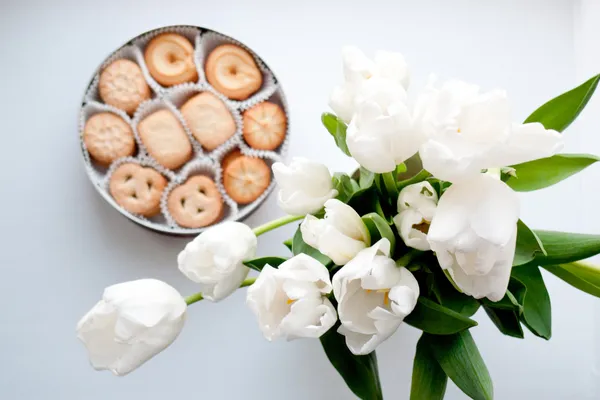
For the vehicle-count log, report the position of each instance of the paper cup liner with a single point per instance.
(203, 162)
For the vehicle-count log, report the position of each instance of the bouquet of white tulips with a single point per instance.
(426, 232)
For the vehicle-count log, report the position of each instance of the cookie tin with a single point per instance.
(203, 162)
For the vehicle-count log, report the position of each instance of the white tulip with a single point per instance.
(132, 323)
(416, 207)
(304, 185)
(473, 234)
(381, 134)
(340, 235)
(358, 69)
(374, 296)
(468, 131)
(214, 258)
(291, 301)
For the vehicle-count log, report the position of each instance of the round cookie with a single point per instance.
(229, 157)
(137, 189)
(209, 120)
(264, 126)
(107, 137)
(122, 85)
(233, 72)
(196, 203)
(170, 59)
(165, 139)
(246, 178)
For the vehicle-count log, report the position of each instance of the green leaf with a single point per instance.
(449, 297)
(559, 112)
(359, 372)
(365, 202)
(528, 245)
(505, 314)
(379, 228)
(579, 275)
(337, 129)
(345, 186)
(428, 379)
(460, 359)
(537, 313)
(258, 263)
(565, 247)
(545, 172)
(299, 246)
(434, 318)
(288, 244)
(507, 321)
(421, 176)
(366, 178)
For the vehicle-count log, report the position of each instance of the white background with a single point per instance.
(61, 243)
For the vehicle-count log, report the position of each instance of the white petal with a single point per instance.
(357, 66)
(347, 221)
(405, 222)
(494, 284)
(342, 100)
(526, 142)
(392, 66)
(339, 247)
(419, 196)
(305, 268)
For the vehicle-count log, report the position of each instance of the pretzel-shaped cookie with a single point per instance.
(137, 189)
(196, 203)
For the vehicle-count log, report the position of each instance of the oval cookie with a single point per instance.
(264, 126)
(233, 72)
(246, 178)
(137, 189)
(108, 137)
(196, 203)
(170, 59)
(165, 139)
(209, 120)
(122, 85)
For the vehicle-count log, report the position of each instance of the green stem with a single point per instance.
(389, 181)
(196, 297)
(276, 223)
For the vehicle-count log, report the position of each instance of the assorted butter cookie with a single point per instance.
(233, 72)
(246, 178)
(137, 189)
(165, 139)
(209, 120)
(170, 59)
(123, 85)
(108, 137)
(197, 203)
(265, 125)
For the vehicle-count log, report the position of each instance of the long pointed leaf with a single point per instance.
(576, 276)
(537, 311)
(431, 317)
(359, 372)
(545, 172)
(428, 379)
(565, 247)
(559, 112)
(460, 359)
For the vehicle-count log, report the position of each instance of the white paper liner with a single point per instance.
(156, 221)
(208, 168)
(203, 162)
(127, 52)
(179, 95)
(210, 40)
(191, 33)
(151, 106)
(90, 109)
(245, 209)
(279, 99)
